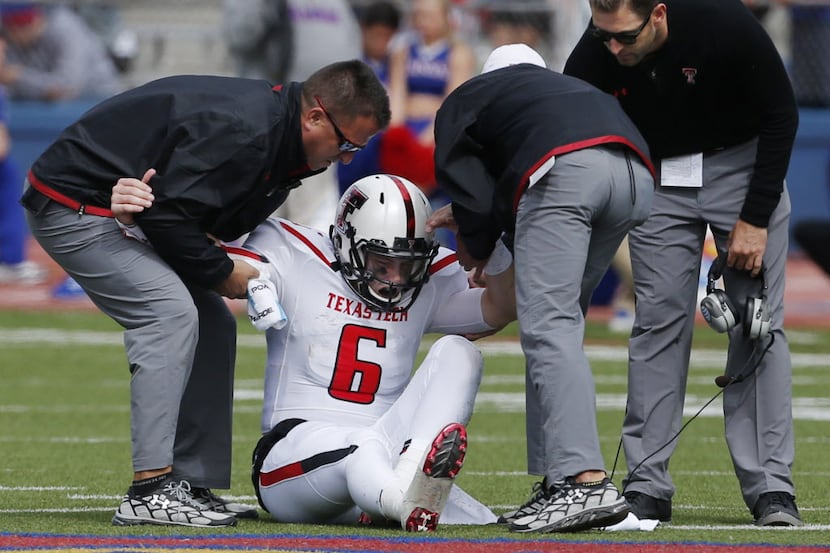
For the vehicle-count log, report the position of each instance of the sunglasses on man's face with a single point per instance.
(346, 145)
(623, 37)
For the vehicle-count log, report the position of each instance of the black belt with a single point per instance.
(269, 440)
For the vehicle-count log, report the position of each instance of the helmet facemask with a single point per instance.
(374, 262)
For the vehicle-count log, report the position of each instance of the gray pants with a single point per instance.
(665, 255)
(178, 416)
(568, 228)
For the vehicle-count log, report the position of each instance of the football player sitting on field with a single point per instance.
(350, 433)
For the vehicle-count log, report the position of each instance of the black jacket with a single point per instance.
(227, 151)
(496, 129)
(717, 82)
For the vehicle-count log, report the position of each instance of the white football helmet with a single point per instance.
(380, 221)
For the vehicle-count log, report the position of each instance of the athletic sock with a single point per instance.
(141, 488)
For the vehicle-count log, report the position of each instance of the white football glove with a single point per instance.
(264, 309)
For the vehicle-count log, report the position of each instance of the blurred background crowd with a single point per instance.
(59, 58)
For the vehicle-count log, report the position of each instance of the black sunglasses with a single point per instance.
(346, 145)
(623, 37)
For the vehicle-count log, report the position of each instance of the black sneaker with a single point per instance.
(646, 507)
(574, 506)
(776, 509)
(205, 499)
(171, 504)
(538, 499)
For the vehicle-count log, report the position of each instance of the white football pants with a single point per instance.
(317, 475)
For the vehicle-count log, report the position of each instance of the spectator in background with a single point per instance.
(551, 27)
(13, 232)
(517, 23)
(259, 37)
(622, 303)
(379, 23)
(775, 16)
(52, 55)
(120, 42)
(325, 31)
(431, 64)
(569, 20)
(287, 40)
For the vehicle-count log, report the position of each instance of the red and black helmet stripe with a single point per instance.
(407, 202)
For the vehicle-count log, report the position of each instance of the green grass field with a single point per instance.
(64, 436)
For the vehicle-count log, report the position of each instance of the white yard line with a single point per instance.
(40, 337)
(804, 408)
(707, 473)
(46, 336)
(64, 510)
(707, 527)
(65, 439)
(82, 497)
(39, 488)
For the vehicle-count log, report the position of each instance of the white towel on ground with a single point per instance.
(631, 522)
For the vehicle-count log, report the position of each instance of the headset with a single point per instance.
(722, 382)
(721, 313)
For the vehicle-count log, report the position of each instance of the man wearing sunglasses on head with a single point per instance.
(705, 85)
(221, 155)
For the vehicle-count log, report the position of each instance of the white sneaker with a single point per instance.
(428, 492)
(172, 504)
(25, 272)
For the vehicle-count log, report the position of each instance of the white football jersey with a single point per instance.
(337, 359)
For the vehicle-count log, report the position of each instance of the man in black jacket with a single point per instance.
(706, 87)
(557, 165)
(222, 154)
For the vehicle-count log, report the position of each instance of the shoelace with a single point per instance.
(780, 499)
(213, 499)
(539, 490)
(538, 494)
(181, 490)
